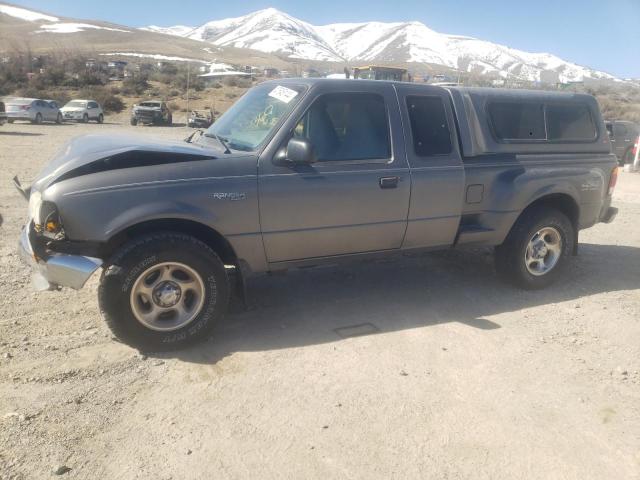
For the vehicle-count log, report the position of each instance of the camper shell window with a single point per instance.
(540, 122)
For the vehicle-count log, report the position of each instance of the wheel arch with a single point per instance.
(563, 202)
(202, 232)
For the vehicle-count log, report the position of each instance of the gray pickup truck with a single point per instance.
(302, 172)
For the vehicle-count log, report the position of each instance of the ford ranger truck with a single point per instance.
(303, 172)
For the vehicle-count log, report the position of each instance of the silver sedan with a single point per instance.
(32, 110)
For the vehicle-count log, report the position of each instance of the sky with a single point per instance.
(601, 34)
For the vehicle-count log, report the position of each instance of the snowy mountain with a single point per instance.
(273, 31)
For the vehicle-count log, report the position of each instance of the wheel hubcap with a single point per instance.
(167, 296)
(543, 251)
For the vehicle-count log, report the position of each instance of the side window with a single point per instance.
(93, 105)
(347, 127)
(517, 121)
(570, 122)
(429, 127)
(619, 130)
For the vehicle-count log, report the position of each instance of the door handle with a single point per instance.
(389, 182)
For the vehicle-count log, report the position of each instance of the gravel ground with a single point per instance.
(427, 367)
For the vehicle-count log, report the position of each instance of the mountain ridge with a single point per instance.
(273, 31)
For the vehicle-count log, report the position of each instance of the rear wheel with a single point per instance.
(59, 119)
(38, 119)
(163, 291)
(101, 118)
(10, 121)
(536, 249)
(170, 120)
(134, 121)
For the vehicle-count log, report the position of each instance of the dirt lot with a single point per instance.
(453, 374)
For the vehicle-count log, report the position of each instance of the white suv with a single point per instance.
(83, 111)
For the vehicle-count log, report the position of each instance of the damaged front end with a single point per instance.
(51, 269)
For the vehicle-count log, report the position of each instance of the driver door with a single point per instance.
(355, 197)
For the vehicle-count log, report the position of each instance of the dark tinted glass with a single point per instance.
(570, 122)
(429, 127)
(347, 127)
(517, 121)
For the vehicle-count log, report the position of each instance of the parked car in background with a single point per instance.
(200, 118)
(3, 114)
(153, 112)
(83, 111)
(623, 135)
(33, 110)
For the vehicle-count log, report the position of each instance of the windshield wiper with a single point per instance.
(220, 139)
(189, 139)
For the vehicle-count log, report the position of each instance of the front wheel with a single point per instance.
(38, 120)
(163, 291)
(59, 119)
(134, 121)
(536, 249)
(85, 118)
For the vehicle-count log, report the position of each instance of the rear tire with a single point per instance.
(134, 122)
(537, 248)
(38, 120)
(141, 319)
(169, 120)
(101, 118)
(59, 119)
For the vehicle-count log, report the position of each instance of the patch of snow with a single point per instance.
(177, 30)
(26, 15)
(154, 56)
(75, 28)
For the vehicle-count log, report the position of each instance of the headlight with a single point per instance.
(35, 202)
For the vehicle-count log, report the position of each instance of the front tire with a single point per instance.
(85, 118)
(536, 249)
(163, 291)
(59, 119)
(38, 120)
(134, 122)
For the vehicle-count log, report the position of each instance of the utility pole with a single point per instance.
(188, 82)
(636, 161)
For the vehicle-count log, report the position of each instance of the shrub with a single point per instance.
(135, 85)
(110, 103)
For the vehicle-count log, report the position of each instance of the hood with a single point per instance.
(73, 109)
(155, 109)
(101, 152)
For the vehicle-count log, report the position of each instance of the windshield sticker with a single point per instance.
(283, 94)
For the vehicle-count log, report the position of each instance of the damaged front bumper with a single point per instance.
(53, 270)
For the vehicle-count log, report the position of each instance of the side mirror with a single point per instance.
(300, 151)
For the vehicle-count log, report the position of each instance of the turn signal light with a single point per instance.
(52, 227)
(613, 180)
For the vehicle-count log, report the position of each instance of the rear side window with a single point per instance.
(429, 127)
(517, 121)
(570, 122)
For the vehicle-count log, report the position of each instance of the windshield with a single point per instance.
(247, 124)
(76, 103)
(150, 104)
